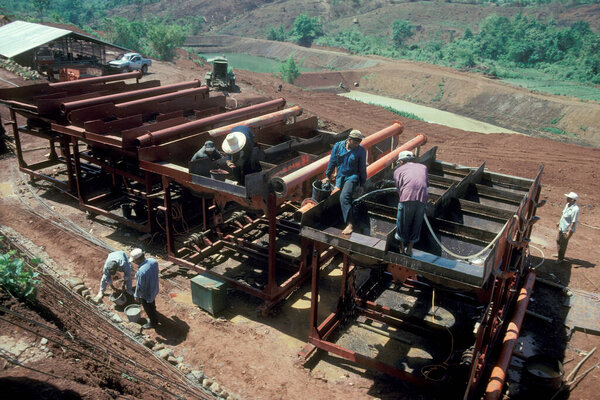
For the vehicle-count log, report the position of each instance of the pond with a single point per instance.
(252, 63)
(429, 114)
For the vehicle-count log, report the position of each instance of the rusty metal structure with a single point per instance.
(445, 314)
(122, 149)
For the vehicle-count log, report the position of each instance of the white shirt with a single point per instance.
(569, 216)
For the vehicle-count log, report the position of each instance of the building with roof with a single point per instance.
(48, 49)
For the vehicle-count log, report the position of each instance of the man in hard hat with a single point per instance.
(146, 288)
(349, 160)
(207, 156)
(411, 184)
(567, 225)
(117, 261)
(242, 153)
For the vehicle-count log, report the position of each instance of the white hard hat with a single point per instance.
(135, 254)
(405, 155)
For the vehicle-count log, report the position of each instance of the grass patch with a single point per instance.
(400, 113)
(555, 131)
(252, 63)
(540, 81)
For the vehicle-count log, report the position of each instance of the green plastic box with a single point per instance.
(209, 293)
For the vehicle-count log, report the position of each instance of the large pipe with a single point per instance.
(97, 79)
(113, 98)
(498, 376)
(284, 184)
(260, 121)
(178, 131)
(374, 168)
(164, 97)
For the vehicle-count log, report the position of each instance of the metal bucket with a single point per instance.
(119, 298)
(320, 192)
(132, 312)
(543, 375)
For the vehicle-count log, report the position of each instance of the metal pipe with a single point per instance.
(284, 184)
(164, 97)
(498, 375)
(97, 79)
(374, 168)
(260, 121)
(178, 131)
(116, 97)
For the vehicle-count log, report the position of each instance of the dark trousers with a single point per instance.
(409, 220)
(150, 309)
(562, 240)
(346, 198)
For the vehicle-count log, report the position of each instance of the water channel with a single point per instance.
(429, 114)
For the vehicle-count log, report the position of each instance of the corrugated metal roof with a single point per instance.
(19, 36)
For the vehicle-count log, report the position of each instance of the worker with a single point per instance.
(349, 159)
(208, 157)
(566, 225)
(242, 153)
(411, 184)
(280, 87)
(117, 261)
(146, 288)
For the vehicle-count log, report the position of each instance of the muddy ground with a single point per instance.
(255, 357)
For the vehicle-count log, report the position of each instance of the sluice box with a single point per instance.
(209, 293)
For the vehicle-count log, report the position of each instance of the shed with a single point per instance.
(48, 49)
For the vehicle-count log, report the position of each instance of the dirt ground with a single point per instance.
(256, 357)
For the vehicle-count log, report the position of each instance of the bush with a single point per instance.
(289, 70)
(18, 278)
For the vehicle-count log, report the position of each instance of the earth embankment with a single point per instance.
(463, 93)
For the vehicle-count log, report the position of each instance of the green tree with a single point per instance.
(276, 34)
(289, 70)
(306, 29)
(124, 33)
(164, 39)
(40, 6)
(401, 30)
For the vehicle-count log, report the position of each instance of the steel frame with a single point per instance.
(507, 276)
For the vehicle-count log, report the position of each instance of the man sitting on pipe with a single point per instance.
(411, 184)
(349, 159)
(242, 153)
(205, 159)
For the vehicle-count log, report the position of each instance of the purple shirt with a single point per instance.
(411, 182)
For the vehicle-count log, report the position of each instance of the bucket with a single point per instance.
(119, 298)
(543, 375)
(132, 312)
(218, 174)
(320, 191)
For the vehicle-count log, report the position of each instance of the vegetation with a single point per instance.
(17, 277)
(502, 44)
(289, 70)
(306, 30)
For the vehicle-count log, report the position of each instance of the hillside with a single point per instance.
(253, 18)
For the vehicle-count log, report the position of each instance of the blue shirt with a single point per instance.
(351, 165)
(123, 265)
(569, 216)
(147, 280)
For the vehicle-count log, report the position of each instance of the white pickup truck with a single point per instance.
(130, 62)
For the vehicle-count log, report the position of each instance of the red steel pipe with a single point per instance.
(374, 168)
(260, 121)
(164, 97)
(113, 98)
(178, 131)
(97, 79)
(498, 376)
(283, 185)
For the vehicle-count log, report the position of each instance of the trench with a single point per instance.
(429, 114)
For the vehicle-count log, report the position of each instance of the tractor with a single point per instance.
(221, 77)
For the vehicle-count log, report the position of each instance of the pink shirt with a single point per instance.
(411, 182)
